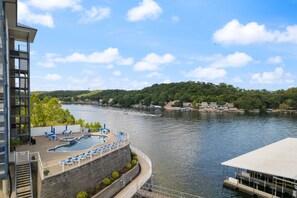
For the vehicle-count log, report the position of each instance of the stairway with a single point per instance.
(23, 180)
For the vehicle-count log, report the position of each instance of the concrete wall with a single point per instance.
(116, 186)
(39, 131)
(69, 183)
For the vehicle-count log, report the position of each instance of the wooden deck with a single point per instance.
(248, 189)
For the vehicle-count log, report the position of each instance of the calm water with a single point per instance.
(187, 149)
(82, 144)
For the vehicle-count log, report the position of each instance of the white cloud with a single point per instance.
(55, 4)
(138, 84)
(278, 76)
(108, 56)
(53, 77)
(274, 60)
(95, 14)
(236, 33)
(154, 75)
(238, 59)
(75, 80)
(25, 15)
(167, 81)
(175, 19)
(49, 60)
(237, 80)
(152, 61)
(208, 73)
(147, 9)
(117, 73)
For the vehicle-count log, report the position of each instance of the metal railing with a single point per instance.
(133, 187)
(22, 157)
(167, 192)
(58, 168)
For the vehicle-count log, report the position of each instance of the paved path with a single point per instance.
(145, 174)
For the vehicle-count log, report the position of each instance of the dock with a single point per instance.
(248, 189)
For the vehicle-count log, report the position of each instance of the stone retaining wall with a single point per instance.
(69, 183)
(117, 185)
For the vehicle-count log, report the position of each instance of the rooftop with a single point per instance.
(279, 159)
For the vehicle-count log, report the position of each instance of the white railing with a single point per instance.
(39, 131)
(37, 159)
(55, 169)
(167, 192)
(22, 157)
(144, 176)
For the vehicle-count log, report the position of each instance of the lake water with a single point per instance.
(187, 149)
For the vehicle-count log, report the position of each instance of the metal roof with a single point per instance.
(16, 30)
(278, 159)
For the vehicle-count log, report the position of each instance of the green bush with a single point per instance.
(115, 175)
(82, 194)
(106, 181)
(128, 166)
(46, 172)
(135, 158)
(133, 154)
(91, 191)
(98, 186)
(134, 162)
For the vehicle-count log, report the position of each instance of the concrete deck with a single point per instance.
(43, 144)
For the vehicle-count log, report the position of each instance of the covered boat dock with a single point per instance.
(270, 171)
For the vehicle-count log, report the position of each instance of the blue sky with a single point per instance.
(109, 44)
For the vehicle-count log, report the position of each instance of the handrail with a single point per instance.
(70, 167)
(133, 187)
(167, 191)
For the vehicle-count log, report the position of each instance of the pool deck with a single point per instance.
(43, 144)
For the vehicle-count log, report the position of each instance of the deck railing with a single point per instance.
(132, 188)
(58, 168)
(167, 192)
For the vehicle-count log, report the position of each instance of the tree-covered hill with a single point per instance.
(195, 92)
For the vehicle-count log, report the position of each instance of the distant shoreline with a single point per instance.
(159, 109)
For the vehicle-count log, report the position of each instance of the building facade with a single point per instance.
(14, 81)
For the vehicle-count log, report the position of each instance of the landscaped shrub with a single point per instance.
(134, 162)
(106, 181)
(128, 166)
(91, 191)
(135, 158)
(46, 172)
(115, 175)
(133, 154)
(98, 186)
(82, 194)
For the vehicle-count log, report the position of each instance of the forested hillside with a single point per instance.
(195, 92)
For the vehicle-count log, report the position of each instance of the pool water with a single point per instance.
(81, 144)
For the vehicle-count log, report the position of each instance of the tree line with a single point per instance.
(194, 92)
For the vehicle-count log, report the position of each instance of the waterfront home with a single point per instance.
(269, 171)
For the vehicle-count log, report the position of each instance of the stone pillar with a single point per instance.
(5, 187)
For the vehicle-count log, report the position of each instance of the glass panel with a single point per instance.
(1, 69)
(24, 64)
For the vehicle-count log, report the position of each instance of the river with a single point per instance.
(186, 149)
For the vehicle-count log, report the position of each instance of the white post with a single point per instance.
(5, 185)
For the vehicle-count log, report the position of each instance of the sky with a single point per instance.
(132, 44)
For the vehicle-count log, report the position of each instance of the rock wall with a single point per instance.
(69, 183)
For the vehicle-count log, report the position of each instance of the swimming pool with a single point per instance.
(83, 143)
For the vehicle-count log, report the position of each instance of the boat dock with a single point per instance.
(248, 189)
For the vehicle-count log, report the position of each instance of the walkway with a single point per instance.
(145, 174)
